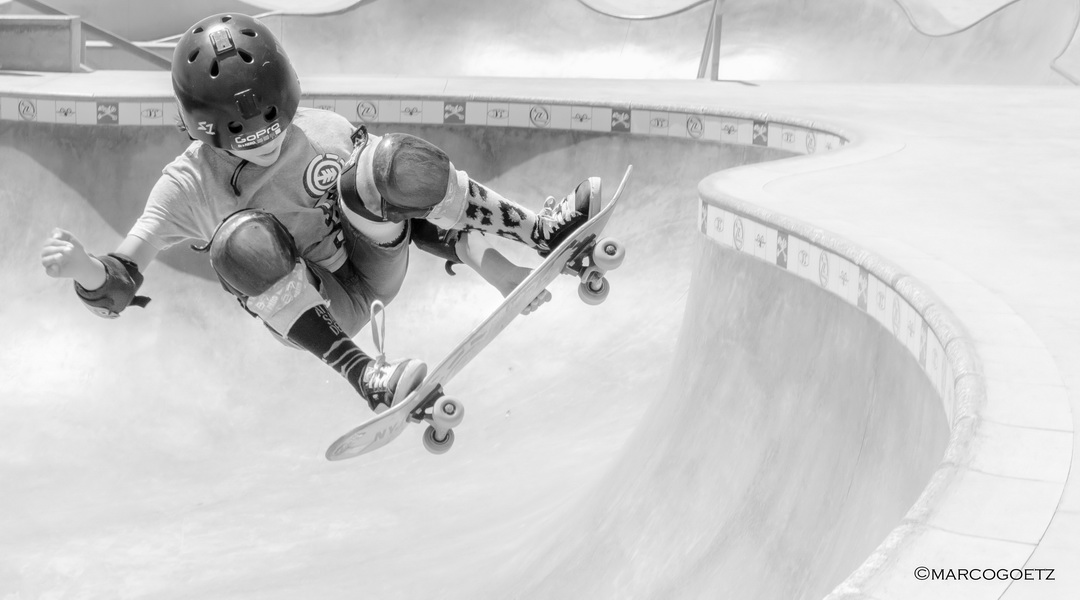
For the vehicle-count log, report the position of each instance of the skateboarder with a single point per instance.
(306, 219)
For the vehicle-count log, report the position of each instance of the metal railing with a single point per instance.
(117, 41)
(710, 54)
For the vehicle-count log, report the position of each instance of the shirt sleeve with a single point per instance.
(167, 218)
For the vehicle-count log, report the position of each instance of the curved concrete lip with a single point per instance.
(933, 193)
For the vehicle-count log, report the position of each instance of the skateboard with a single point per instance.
(584, 254)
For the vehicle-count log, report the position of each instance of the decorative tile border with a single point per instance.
(746, 130)
(798, 254)
(88, 112)
(936, 340)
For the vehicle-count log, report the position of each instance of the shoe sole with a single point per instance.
(595, 197)
(410, 379)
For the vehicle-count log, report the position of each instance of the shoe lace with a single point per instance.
(379, 372)
(554, 215)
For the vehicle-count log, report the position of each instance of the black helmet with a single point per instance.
(236, 87)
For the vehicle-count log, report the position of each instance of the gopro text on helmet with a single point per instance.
(257, 138)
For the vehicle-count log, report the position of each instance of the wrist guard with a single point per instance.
(122, 280)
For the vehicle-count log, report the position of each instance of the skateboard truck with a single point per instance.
(590, 265)
(442, 413)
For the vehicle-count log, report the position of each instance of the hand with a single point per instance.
(537, 302)
(514, 276)
(63, 256)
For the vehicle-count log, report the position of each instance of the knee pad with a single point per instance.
(411, 174)
(401, 177)
(251, 251)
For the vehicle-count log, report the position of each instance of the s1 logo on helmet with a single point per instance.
(260, 137)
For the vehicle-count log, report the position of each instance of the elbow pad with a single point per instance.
(122, 281)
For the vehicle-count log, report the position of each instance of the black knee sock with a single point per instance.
(317, 332)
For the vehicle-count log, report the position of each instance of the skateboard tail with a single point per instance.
(363, 440)
(370, 436)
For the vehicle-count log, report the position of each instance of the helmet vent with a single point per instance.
(249, 32)
(246, 56)
(214, 70)
(194, 54)
(270, 114)
(235, 127)
(226, 18)
(197, 30)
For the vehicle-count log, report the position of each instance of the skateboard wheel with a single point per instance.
(447, 412)
(593, 291)
(436, 444)
(608, 254)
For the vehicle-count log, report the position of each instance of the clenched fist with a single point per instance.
(63, 256)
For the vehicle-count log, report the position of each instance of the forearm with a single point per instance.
(92, 275)
(116, 278)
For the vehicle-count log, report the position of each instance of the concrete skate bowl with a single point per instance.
(719, 426)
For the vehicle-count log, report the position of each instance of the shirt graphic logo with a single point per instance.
(321, 174)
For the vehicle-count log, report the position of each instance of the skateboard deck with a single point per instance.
(577, 255)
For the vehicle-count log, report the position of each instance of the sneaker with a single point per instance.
(559, 218)
(384, 383)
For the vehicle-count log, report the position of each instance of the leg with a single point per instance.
(256, 259)
(374, 271)
(400, 176)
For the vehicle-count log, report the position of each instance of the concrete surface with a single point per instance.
(141, 459)
(183, 412)
(40, 43)
(228, 482)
